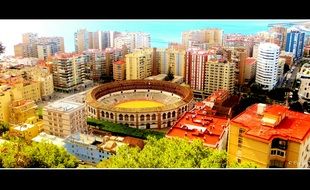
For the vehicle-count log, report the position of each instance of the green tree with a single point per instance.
(295, 96)
(17, 153)
(47, 155)
(277, 94)
(2, 48)
(246, 164)
(123, 130)
(169, 76)
(167, 153)
(13, 155)
(286, 68)
(3, 127)
(40, 112)
(296, 106)
(306, 106)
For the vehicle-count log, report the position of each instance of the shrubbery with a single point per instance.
(120, 129)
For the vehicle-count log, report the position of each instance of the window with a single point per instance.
(240, 142)
(277, 152)
(276, 164)
(241, 131)
(279, 144)
(239, 160)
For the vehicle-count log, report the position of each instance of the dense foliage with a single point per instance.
(40, 112)
(19, 154)
(286, 68)
(167, 153)
(3, 127)
(169, 76)
(278, 94)
(119, 129)
(296, 106)
(243, 165)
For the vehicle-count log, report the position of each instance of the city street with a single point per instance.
(289, 82)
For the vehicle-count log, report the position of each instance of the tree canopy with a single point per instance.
(123, 130)
(278, 94)
(296, 106)
(167, 153)
(243, 165)
(286, 68)
(169, 76)
(20, 154)
(3, 127)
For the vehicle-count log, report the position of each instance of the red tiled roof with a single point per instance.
(131, 141)
(295, 126)
(218, 95)
(67, 55)
(250, 60)
(119, 62)
(199, 104)
(198, 125)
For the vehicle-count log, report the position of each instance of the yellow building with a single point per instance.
(139, 64)
(207, 36)
(5, 100)
(38, 74)
(27, 130)
(32, 91)
(45, 78)
(219, 75)
(270, 136)
(25, 50)
(21, 110)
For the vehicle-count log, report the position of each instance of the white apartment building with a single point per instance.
(267, 65)
(133, 40)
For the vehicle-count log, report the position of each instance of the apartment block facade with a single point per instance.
(63, 118)
(68, 71)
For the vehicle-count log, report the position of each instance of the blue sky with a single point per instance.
(162, 31)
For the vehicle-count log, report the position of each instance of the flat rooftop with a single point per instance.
(24, 127)
(295, 126)
(64, 106)
(43, 137)
(84, 138)
(157, 77)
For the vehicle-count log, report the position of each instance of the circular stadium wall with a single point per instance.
(139, 103)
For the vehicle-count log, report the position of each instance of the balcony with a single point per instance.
(275, 163)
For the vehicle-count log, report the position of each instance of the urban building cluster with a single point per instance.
(209, 71)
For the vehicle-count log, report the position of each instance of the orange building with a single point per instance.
(249, 69)
(271, 136)
(119, 70)
(289, 58)
(307, 51)
(218, 97)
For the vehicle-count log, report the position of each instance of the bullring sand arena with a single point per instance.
(139, 103)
